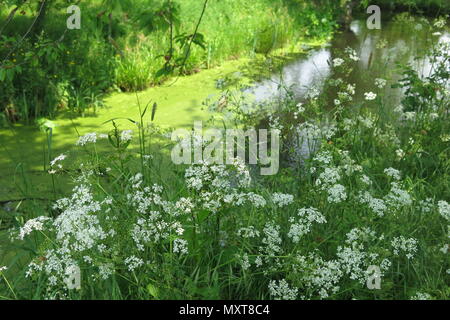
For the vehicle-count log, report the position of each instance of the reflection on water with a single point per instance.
(299, 76)
(380, 51)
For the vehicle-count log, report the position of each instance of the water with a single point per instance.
(399, 42)
(380, 52)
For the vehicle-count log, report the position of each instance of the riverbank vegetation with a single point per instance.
(362, 193)
(129, 46)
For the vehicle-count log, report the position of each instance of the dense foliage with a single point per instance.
(131, 45)
(371, 190)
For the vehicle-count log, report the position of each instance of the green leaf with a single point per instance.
(153, 291)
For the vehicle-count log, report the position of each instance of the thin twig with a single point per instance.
(26, 33)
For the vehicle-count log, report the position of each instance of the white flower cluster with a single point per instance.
(156, 219)
(280, 290)
(216, 186)
(356, 258)
(337, 193)
(31, 225)
(426, 206)
(302, 224)
(78, 227)
(126, 135)
(328, 177)
(397, 197)
(408, 246)
(393, 173)
(245, 261)
(369, 96)
(421, 296)
(281, 199)
(320, 275)
(87, 138)
(58, 159)
(380, 83)
(248, 232)
(337, 62)
(272, 239)
(133, 263)
(378, 206)
(444, 209)
(180, 246)
(300, 109)
(352, 54)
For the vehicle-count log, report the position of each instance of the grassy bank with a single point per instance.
(128, 47)
(372, 195)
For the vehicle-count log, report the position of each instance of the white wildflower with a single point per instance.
(393, 173)
(444, 209)
(337, 194)
(126, 135)
(133, 262)
(32, 225)
(421, 296)
(370, 96)
(87, 138)
(180, 246)
(338, 62)
(281, 199)
(408, 246)
(281, 290)
(380, 83)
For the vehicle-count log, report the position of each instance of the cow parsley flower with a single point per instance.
(58, 159)
(380, 83)
(248, 232)
(87, 138)
(244, 260)
(393, 173)
(370, 96)
(338, 62)
(328, 177)
(180, 246)
(444, 209)
(366, 180)
(397, 197)
(133, 263)
(32, 225)
(280, 290)
(400, 154)
(126, 135)
(324, 275)
(272, 239)
(281, 199)
(301, 224)
(106, 270)
(352, 54)
(421, 296)
(402, 244)
(337, 194)
(378, 206)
